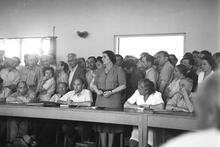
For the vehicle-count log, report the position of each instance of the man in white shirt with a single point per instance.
(144, 97)
(80, 97)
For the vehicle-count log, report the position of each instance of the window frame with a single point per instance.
(117, 39)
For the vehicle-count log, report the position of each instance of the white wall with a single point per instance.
(105, 18)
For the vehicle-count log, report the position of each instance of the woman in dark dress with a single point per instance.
(109, 84)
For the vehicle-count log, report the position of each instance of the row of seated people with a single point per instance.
(144, 96)
(113, 85)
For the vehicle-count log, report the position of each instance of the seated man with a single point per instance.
(145, 97)
(18, 127)
(80, 97)
(181, 101)
(61, 91)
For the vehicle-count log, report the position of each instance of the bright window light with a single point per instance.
(12, 47)
(136, 44)
(20, 46)
(46, 46)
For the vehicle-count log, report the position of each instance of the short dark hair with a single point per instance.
(188, 55)
(210, 60)
(149, 85)
(191, 60)
(65, 65)
(48, 68)
(129, 63)
(206, 53)
(165, 54)
(92, 57)
(182, 68)
(99, 58)
(148, 58)
(118, 55)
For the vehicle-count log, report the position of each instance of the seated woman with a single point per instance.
(179, 73)
(181, 101)
(46, 86)
(80, 97)
(207, 106)
(145, 97)
(18, 127)
(207, 66)
(61, 90)
(22, 95)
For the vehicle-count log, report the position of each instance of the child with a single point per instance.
(181, 101)
(47, 85)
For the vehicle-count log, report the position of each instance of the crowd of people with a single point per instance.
(109, 81)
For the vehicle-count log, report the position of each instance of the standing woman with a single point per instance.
(109, 84)
(207, 65)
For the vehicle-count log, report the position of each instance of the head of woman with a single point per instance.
(180, 71)
(207, 102)
(108, 57)
(207, 63)
(48, 72)
(22, 88)
(78, 85)
(146, 87)
(62, 66)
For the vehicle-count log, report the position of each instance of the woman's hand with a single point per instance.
(107, 94)
(99, 92)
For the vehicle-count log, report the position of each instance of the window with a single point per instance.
(136, 44)
(34, 45)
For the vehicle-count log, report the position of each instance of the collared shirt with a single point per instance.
(31, 75)
(55, 97)
(84, 96)
(72, 71)
(153, 99)
(10, 77)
